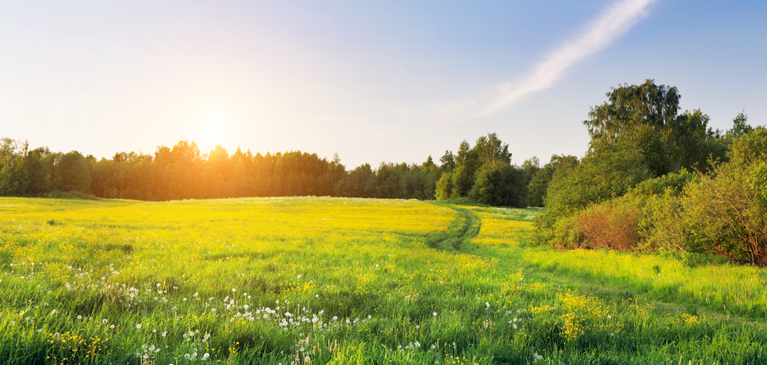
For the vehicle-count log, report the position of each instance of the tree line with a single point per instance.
(182, 172)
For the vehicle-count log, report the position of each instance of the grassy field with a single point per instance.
(349, 281)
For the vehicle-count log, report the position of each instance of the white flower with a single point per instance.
(138, 326)
(487, 304)
(165, 333)
(246, 307)
(234, 290)
(79, 317)
(205, 356)
(435, 314)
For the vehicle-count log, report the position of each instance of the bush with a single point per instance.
(724, 213)
(637, 221)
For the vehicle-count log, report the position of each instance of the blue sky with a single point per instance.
(373, 81)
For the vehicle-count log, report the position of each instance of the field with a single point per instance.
(350, 281)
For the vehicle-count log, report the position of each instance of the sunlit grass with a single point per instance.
(319, 280)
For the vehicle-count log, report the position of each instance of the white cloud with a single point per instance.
(609, 26)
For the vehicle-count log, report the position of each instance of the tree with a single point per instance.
(445, 187)
(500, 184)
(70, 172)
(466, 163)
(448, 161)
(539, 181)
(490, 150)
(630, 106)
(740, 125)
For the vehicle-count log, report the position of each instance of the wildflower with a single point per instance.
(234, 290)
(246, 307)
(205, 356)
(435, 314)
(138, 326)
(165, 333)
(487, 304)
(79, 317)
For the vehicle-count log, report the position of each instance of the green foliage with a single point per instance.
(68, 171)
(740, 126)
(610, 170)
(632, 106)
(500, 184)
(445, 186)
(537, 187)
(22, 173)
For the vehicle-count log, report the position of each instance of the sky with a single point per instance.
(373, 81)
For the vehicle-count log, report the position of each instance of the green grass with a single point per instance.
(321, 280)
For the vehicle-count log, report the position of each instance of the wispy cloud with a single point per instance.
(609, 26)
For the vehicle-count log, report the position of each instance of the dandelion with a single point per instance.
(487, 304)
(205, 356)
(434, 314)
(234, 290)
(246, 307)
(138, 326)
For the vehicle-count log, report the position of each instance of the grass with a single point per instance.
(339, 281)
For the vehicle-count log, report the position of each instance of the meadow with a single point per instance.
(350, 281)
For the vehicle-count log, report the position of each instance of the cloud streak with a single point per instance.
(600, 33)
